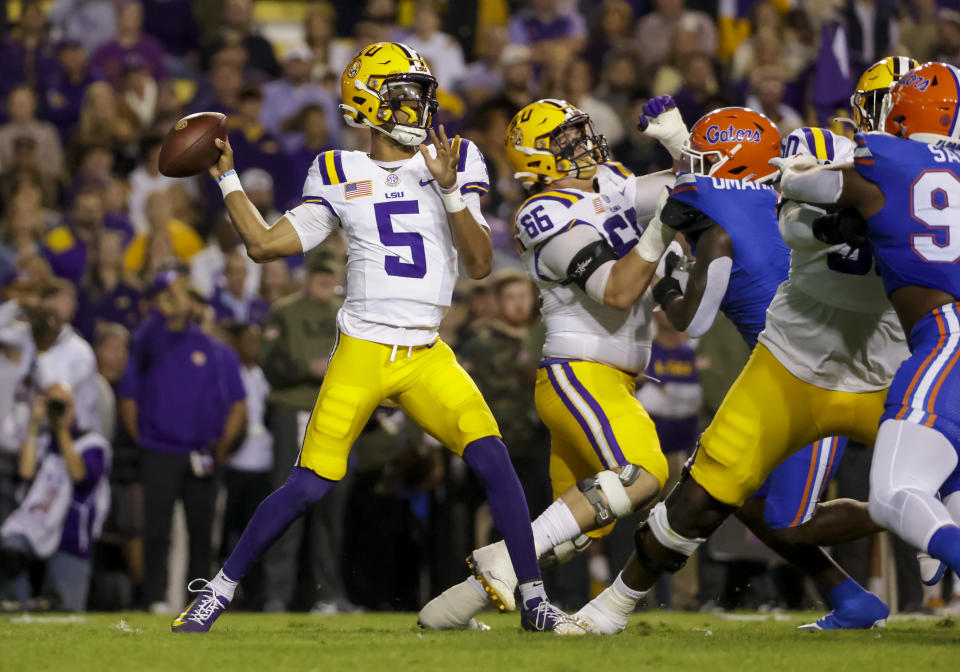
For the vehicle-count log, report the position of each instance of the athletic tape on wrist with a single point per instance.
(453, 201)
(229, 182)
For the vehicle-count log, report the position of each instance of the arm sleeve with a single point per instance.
(473, 178)
(817, 185)
(579, 255)
(314, 221)
(718, 276)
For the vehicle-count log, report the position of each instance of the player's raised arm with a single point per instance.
(263, 242)
(695, 309)
(469, 235)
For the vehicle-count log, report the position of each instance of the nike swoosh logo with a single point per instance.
(423, 184)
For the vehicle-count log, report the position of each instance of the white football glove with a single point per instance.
(661, 120)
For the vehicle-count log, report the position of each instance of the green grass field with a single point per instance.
(655, 641)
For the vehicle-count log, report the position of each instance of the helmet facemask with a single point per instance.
(577, 148)
(407, 105)
(703, 163)
(868, 109)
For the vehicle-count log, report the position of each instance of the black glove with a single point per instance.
(843, 226)
(666, 288)
(671, 263)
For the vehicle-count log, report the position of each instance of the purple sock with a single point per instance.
(488, 457)
(945, 546)
(274, 515)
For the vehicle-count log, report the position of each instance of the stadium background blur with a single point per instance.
(89, 87)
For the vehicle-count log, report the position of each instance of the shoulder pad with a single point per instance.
(825, 146)
(471, 168)
(618, 169)
(546, 214)
(330, 167)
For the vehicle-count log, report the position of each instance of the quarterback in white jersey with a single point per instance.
(408, 212)
(589, 244)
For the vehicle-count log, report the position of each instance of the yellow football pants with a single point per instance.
(595, 423)
(769, 414)
(425, 381)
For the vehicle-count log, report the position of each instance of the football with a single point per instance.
(188, 149)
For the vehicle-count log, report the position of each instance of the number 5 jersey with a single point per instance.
(401, 257)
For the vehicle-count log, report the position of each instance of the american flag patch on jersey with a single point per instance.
(358, 189)
(598, 206)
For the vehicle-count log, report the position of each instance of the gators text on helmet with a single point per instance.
(925, 104)
(732, 142)
(388, 87)
(551, 139)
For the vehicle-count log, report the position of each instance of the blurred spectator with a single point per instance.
(330, 54)
(255, 146)
(182, 399)
(221, 93)
(247, 474)
(64, 89)
(284, 98)
(89, 22)
(482, 78)
(237, 28)
(25, 166)
(298, 335)
(441, 51)
(62, 354)
(614, 30)
(697, 92)
(553, 33)
(315, 139)
(22, 108)
(166, 239)
(502, 356)
(275, 281)
(946, 46)
(21, 235)
(655, 31)
(378, 23)
(106, 296)
(620, 81)
(488, 128)
(258, 185)
(482, 307)
(145, 180)
(206, 266)
(26, 55)
(871, 30)
(173, 24)
(68, 246)
(578, 86)
(111, 345)
(139, 89)
(17, 353)
(919, 27)
(106, 121)
(516, 68)
(231, 302)
(109, 59)
(62, 514)
(766, 95)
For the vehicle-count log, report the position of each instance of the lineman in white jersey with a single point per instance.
(407, 214)
(588, 244)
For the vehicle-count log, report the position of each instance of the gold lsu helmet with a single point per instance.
(551, 139)
(385, 79)
(873, 86)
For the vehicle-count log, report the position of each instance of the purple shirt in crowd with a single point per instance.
(79, 525)
(108, 61)
(66, 252)
(19, 64)
(121, 305)
(62, 99)
(527, 28)
(246, 310)
(676, 371)
(183, 383)
(172, 22)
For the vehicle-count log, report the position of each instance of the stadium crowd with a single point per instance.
(149, 367)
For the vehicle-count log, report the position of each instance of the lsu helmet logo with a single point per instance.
(730, 134)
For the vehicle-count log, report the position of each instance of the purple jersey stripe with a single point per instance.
(548, 197)
(322, 164)
(475, 188)
(828, 145)
(462, 163)
(576, 414)
(601, 416)
(319, 200)
(338, 166)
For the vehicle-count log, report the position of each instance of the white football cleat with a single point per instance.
(454, 609)
(494, 570)
(606, 614)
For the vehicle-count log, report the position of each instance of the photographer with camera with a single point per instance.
(62, 514)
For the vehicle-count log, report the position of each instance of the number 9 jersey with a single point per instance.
(916, 235)
(402, 262)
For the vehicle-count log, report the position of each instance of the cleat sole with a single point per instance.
(492, 594)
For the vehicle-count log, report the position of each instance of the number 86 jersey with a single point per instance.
(401, 258)
(916, 235)
(552, 228)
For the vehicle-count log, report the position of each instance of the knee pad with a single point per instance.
(672, 549)
(615, 501)
(568, 549)
(653, 556)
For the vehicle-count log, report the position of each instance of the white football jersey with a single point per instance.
(831, 324)
(578, 326)
(401, 258)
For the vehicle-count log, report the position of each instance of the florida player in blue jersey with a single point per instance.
(902, 196)
(729, 215)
